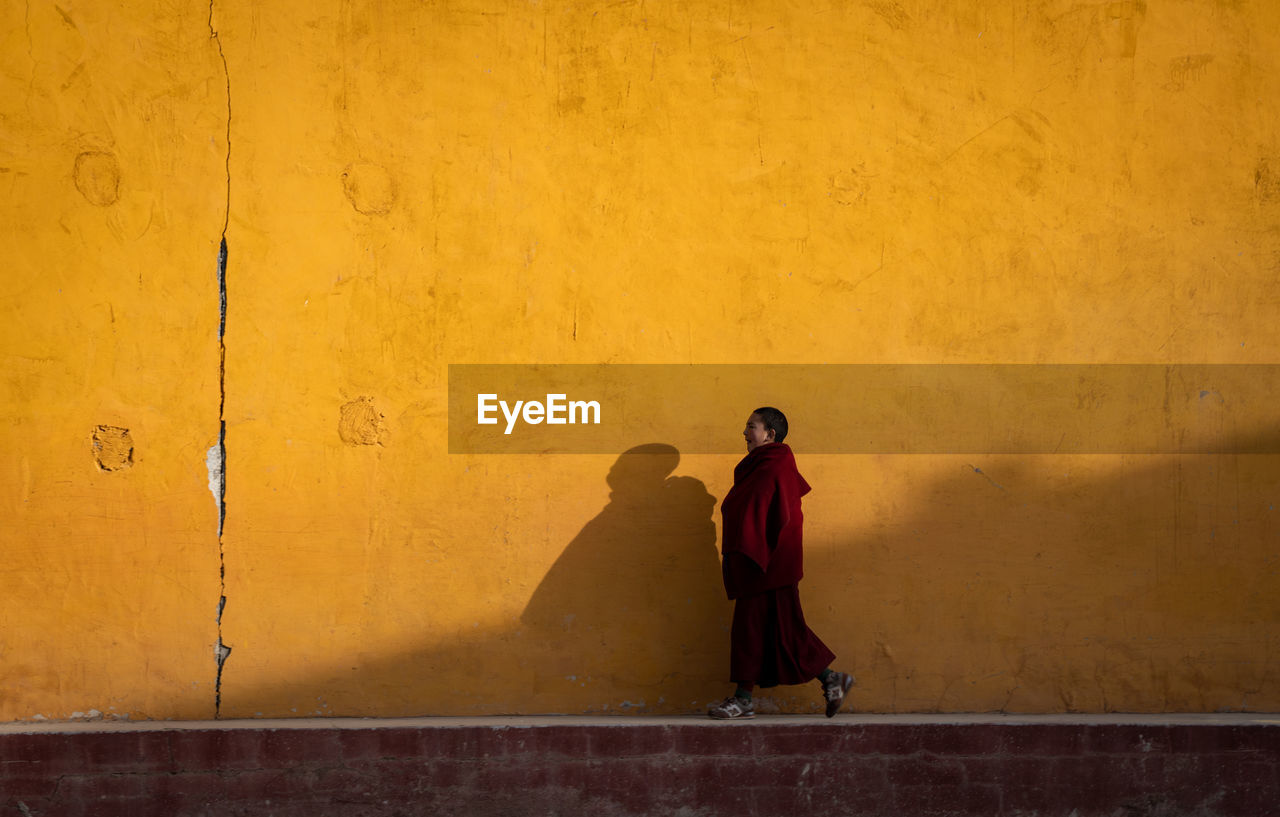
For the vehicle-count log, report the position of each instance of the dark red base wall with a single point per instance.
(630, 768)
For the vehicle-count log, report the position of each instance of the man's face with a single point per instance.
(755, 433)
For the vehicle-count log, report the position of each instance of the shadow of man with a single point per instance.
(635, 599)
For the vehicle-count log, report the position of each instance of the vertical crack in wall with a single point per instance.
(218, 476)
(221, 650)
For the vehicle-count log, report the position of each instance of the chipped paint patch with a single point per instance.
(213, 464)
(112, 448)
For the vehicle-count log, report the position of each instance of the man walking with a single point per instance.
(770, 644)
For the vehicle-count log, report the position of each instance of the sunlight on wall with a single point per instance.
(402, 186)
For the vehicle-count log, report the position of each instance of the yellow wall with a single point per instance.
(406, 185)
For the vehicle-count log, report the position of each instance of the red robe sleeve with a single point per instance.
(762, 543)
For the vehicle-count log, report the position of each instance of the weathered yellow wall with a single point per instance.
(407, 185)
(109, 166)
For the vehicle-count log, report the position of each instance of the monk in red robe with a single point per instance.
(762, 566)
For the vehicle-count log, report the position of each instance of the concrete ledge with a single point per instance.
(507, 721)
(1154, 765)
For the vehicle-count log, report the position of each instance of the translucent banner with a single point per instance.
(867, 408)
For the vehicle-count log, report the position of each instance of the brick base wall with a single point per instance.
(634, 766)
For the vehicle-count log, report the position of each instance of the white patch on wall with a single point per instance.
(213, 462)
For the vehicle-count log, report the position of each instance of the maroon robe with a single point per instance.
(763, 562)
(763, 523)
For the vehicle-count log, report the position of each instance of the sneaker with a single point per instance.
(837, 684)
(733, 708)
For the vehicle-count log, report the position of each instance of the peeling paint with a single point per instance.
(213, 464)
(360, 422)
(369, 187)
(92, 714)
(97, 177)
(112, 448)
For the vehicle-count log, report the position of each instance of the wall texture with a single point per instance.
(404, 185)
